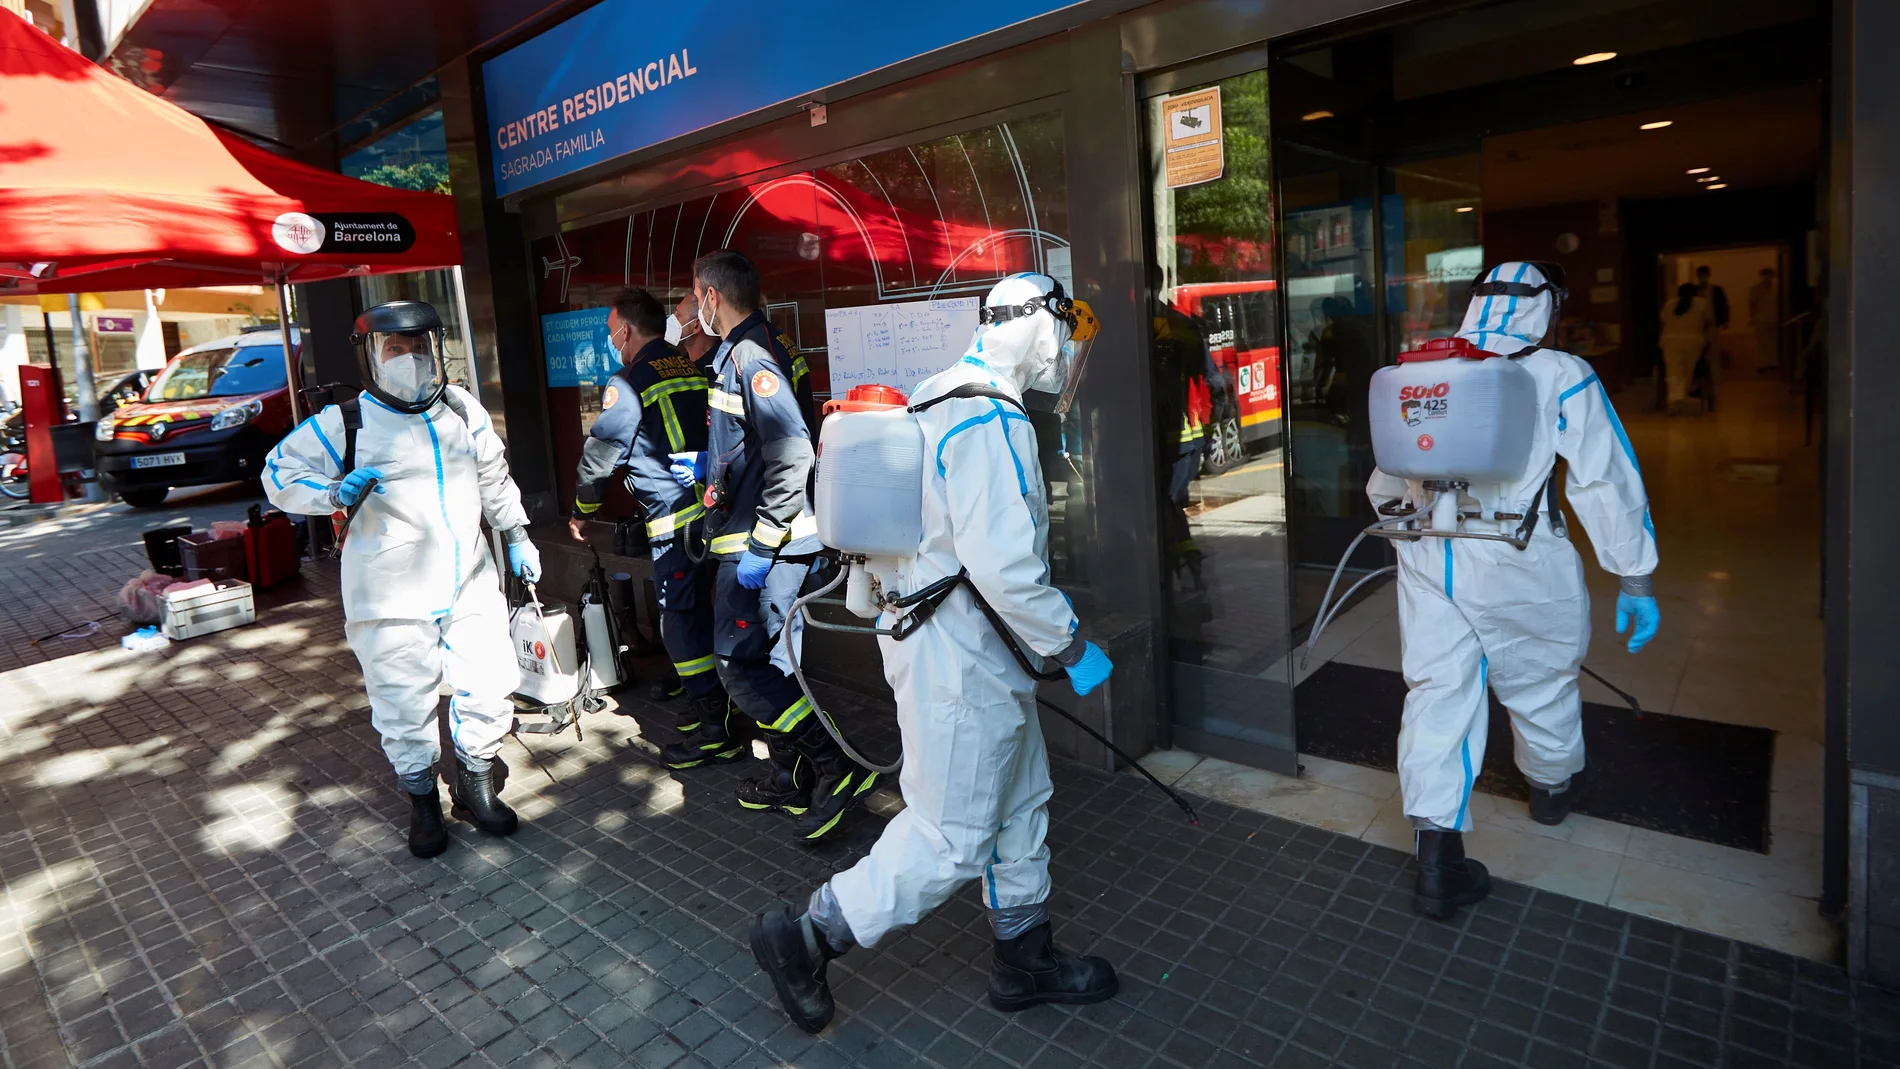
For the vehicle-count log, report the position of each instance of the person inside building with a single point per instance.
(976, 774)
(756, 468)
(1478, 616)
(653, 407)
(1687, 325)
(416, 464)
(1764, 317)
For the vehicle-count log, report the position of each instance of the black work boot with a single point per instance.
(837, 781)
(428, 835)
(1446, 878)
(667, 689)
(785, 785)
(1029, 971)
(477, 799)
(1551, 807)
(793, 953)
(722, 733)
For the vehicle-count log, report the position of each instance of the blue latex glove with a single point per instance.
(351, 488)
(1648, 618)
(752, 569)
(688, 468)
(1091, 671)
(525, 561)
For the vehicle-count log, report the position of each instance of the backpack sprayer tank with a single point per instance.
(870, 493)
(1451, 414)
(1446, 415)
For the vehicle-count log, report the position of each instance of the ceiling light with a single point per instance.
(1697, 170)
(1710, 178)
(1658, 124)
(1312, 115)
(1718, 185)
(1594, 57)
(1466, 208)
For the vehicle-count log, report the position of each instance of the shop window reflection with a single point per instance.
(939, 220)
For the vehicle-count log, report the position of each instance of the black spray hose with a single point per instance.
(349, 515)
(1009, 639)
(1614, 689)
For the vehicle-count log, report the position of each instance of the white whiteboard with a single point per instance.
(898, 344)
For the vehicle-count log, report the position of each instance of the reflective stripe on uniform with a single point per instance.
(791, 717)
(661, 394)
(730, 403)
(731, 543)
(666, 525)
(586, 509)
(800, 369)
(698, 666)
(767, 533)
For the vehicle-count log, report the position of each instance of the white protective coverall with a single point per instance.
(1473, 613)
(976, 773)
(421, 597)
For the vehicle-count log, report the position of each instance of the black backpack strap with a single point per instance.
(971, 389)
(352, 410)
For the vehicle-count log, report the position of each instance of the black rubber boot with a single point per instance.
(1446, 878)
(1548, 807)
(1029, 971)
(428, 835)
(793, 953)
(721, 733)
(838, 783)
(478, 800)
(667, 689)
(785, 785)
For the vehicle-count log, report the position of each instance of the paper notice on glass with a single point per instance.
(1193, 149)
(898, 344)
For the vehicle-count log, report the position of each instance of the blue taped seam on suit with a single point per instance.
(442, 499)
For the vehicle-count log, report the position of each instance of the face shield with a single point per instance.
(1075, 329)
(1074, 355)
(405, 369)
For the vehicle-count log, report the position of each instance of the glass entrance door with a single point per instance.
(1219, 418)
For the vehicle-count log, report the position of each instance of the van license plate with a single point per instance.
(158, 460)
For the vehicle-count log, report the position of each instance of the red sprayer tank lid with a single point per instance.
(870, 397)
(1445, 348)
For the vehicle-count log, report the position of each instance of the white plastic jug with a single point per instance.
(870, 494)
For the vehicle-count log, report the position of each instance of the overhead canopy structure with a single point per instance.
(105, 186)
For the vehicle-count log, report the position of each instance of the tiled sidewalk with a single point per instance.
(202, 864)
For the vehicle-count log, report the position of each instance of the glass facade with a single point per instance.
(906, 236)
(1219, 425)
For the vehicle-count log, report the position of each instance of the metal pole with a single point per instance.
(290, 353)
(83, 387)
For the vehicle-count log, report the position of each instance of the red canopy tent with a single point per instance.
(104, 186)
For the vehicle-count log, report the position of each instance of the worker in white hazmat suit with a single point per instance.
(976, 774)
(419, 461)
(1481, 614)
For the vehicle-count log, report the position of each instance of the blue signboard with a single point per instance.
(625, 74)
(577, 348)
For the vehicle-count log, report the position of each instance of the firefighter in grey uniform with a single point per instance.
(757, 469)
(655, 406)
